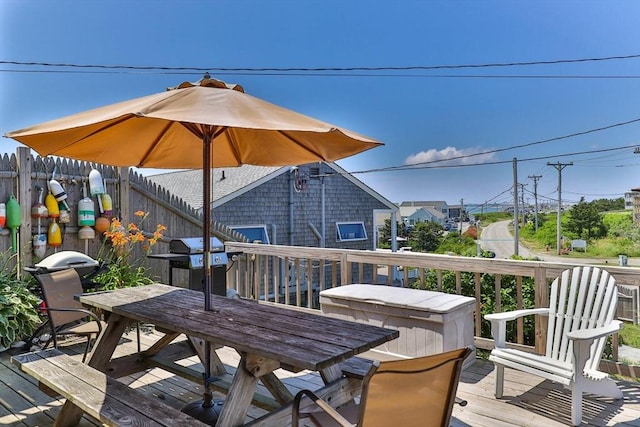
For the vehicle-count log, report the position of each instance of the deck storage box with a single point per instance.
(428, 322)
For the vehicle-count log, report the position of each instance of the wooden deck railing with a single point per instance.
(283, 274)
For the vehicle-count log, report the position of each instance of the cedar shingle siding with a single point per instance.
(266, 196)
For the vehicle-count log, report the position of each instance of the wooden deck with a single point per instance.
(529, 401)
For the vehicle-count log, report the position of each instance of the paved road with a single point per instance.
(497, 237)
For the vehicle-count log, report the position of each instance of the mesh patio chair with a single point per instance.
(66, 315)
(417, 392)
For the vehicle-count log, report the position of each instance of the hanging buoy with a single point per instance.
(86, 209)
(65, 216)
(54, 235)
(107, 205)
(96, 186)
(102, 224)
(39, 243)
(58, 192)
(86, 233)
(39, 209)
(52, 206)
(14, 220)
(3, 215)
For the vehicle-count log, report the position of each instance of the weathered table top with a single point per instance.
(296, 339)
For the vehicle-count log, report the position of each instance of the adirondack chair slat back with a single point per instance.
(584, 297)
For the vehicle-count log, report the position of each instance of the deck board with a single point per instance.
(528, 400)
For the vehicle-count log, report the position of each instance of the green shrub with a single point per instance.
(487, 291)
(19, 315)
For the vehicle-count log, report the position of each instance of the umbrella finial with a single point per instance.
(207, 76)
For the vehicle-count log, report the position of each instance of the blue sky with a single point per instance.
(421, 115)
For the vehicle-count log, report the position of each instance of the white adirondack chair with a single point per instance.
(582, 307)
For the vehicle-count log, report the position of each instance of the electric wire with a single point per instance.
(305, 69)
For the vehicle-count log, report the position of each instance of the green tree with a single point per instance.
(385, 233)
(585, 220)
(606, 205)
(426, 236)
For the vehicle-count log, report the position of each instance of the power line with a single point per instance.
(305, 69)
(427, 165)
(343, 74)
(544, 141)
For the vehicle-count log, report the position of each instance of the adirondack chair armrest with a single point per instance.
(592, 334)
(513, 315)
(499, 322)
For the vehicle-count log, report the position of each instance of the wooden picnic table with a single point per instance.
(267, 336)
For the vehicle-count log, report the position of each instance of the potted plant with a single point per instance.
(19, 314)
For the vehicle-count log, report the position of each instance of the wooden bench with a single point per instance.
(356, 367)
(98, 395)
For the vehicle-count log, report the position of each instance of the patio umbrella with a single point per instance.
(168, 129)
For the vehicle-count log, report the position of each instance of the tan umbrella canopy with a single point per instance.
(166, 129)
(170, 129)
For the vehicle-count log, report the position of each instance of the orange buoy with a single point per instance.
(102, 224)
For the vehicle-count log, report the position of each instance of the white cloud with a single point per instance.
(458, 156)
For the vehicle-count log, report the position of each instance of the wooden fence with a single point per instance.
(21, 175)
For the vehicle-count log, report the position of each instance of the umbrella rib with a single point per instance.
(315, 153)
(234, 147)
(153, 145)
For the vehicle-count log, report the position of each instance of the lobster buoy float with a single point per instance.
(86, 233)
(102, 224)
(54, 235)
(96, 186)
(14, 220)
(3, 215)
(52, 206)
(39, 244)
(58, 192)
(65, 216)
(86, 210)
(39, 209)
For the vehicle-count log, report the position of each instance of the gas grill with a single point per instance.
(188, 254)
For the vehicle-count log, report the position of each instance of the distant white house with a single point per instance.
(411, 215)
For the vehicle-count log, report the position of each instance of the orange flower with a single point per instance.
(140, 213)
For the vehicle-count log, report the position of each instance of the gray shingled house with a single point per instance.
(317, 204)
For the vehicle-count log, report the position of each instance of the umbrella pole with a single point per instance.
(206, 410)
(206, 216)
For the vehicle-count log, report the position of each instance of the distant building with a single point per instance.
(412, 216)
(316, 205)
(413, 212)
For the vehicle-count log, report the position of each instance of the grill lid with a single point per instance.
(193, 245)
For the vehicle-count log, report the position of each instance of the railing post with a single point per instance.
(541, 300)
(345, 273)
(24, 198)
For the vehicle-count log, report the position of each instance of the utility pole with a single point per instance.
(461, 214)
(516, 219)
(522, 205)
(535, 179)
(559, 166)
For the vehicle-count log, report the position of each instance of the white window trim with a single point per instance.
(263, 226)
(340, 239)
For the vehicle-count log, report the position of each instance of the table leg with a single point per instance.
(102, 351)
(330, 374)
(243, 388)
(216, 365)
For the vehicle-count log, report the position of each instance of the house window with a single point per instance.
(253, 232)
(349, 231)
